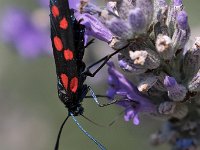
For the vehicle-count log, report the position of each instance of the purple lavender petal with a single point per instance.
(129, 114)
(147, 8)
(111, 92)
(136, 120)
(94, 27)
(129, 93)
(182, 20)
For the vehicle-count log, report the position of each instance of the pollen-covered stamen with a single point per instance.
(55, 11)
(146, 83)
(58, 43)
(164, 46)
(147, 58)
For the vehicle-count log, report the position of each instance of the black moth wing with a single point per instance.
(67, 37)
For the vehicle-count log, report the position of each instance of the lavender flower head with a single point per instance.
(167, 75)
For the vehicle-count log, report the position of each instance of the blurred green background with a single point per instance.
(31, 113)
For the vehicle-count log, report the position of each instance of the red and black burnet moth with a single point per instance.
(67, 36)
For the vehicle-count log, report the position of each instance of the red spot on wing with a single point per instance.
(58, 43)
(68, 54)
(74, 84)
(55, 11)
(63, 23)
(65, 80)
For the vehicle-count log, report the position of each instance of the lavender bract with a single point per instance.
(167, 74)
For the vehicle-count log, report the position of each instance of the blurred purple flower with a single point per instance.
(30, 40)
(130, 98)
(73, 3)
(44, 3)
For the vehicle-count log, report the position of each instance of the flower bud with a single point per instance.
(137, 20)
(181, 111)
(164, 47)
(159, 85)
(112, 7)
(167, 108)
(123, 8)
(182, 20)
(182, 32)
(116, 43)
(194, 84)
(147, 8)
(176, 92)
(146, 58)
(120, 28)
(191, 61)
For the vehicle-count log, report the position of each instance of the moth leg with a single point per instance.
(96, 99)
(89, 43)
(104, 60)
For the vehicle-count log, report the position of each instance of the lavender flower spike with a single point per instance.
(155, 33)
(176, 92)
(130, 98)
